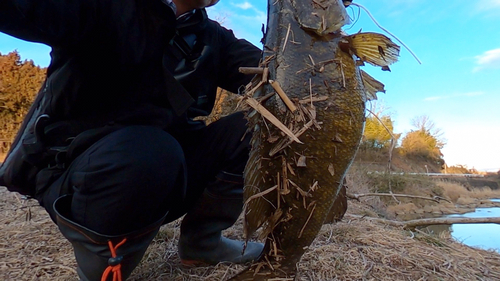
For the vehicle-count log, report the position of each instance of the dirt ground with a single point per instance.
(354, 249)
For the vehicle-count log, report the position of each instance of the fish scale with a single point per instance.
(290, 186)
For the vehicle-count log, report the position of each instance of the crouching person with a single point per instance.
(110, 148)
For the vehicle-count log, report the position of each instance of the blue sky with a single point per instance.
(457, 85)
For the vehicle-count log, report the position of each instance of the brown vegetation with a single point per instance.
(353, 249)
(19, 83)
(457, 198)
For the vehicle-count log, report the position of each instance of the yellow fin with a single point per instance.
(372, 86)
(374, 48)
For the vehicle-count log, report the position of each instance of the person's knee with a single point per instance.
(132, 176)
(131, 160)
(150, 155)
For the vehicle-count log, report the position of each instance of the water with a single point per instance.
(482, 235)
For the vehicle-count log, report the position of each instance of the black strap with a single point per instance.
(181, 48)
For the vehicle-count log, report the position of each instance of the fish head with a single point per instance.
(321, 17)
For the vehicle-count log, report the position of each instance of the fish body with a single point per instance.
(291, 183)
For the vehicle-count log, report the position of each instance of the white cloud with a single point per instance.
(487, 9)
(244, 6)
(469, 94)
(485, 4)
(488, 60)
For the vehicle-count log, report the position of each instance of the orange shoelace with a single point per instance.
(116, 269)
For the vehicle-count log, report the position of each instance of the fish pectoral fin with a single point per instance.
(257, 210)
(339, 206)
(374, 48)
(372, 86)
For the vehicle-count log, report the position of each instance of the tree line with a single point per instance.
(423, 142)
(19, 83)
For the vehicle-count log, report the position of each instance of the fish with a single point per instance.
(306, 114)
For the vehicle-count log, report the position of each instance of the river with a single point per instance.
(482, 235)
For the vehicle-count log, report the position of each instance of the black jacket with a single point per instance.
(113, 62)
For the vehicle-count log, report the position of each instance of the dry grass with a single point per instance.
(459, 198)
(403, 208)
(33, 249)
(31, 246)
(358, 183)
(455, 191)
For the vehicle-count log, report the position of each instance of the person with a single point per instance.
(110, 147)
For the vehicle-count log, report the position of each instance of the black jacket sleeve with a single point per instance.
(52, 22)
(237, 53)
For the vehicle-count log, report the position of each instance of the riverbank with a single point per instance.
(455, 199)
(353, 249)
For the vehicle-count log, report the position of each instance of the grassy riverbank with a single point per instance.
(454, 197)
(353, 249)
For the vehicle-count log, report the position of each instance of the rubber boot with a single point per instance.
(201, 241)
(103, 257)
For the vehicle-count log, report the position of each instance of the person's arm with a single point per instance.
(237, 53)
(52, 22)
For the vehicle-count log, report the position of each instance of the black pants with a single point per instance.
(133, 176)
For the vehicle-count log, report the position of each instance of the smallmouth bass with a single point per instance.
(307, 122)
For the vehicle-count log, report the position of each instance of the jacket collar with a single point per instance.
(197, 21)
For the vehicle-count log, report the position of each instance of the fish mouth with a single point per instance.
(322, 17)
(347, 3)
(324, 30)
